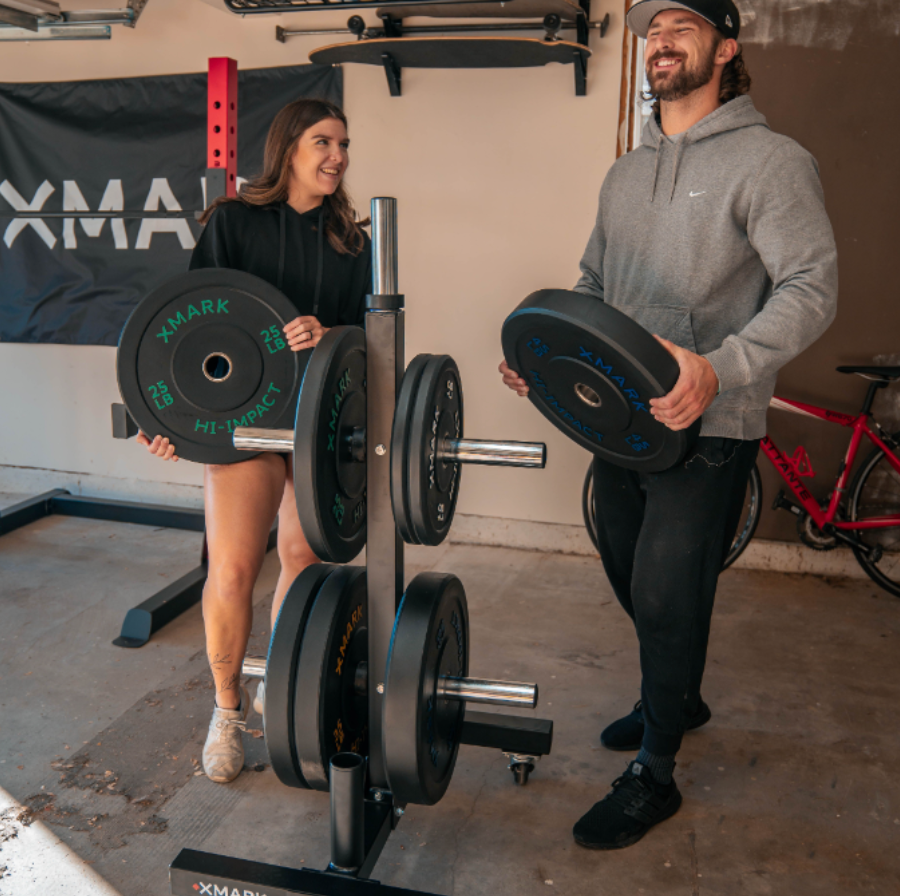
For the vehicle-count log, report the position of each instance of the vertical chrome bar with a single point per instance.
(348, 848)
(384, 547)
(384, 246)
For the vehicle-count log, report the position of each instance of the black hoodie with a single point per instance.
(289, 251)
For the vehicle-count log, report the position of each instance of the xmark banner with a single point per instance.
(114, 145)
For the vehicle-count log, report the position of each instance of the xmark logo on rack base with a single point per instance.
(217, 890)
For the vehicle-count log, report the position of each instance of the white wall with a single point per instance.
(496, 173)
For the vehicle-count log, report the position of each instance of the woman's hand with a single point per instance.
(159, 447)
(513, 380)
(304, 332)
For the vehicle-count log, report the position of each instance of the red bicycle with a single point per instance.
(866, 516)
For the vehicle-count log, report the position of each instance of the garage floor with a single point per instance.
(791, 789)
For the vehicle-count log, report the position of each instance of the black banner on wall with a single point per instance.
(125, 143)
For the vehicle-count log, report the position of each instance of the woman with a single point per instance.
(295, 227)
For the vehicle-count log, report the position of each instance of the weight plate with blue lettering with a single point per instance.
(421, 729)
(329, 446)
(205, 353)
(591, 371)
(281, 672)
(331, 706)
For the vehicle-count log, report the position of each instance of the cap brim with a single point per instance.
(642, 14)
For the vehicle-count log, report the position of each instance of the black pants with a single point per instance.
(663, 538)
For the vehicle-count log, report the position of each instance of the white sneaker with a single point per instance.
(223, 753)
(259, 701)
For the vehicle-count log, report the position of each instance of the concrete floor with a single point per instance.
(791, 789)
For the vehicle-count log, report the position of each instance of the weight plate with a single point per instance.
(591, 371)
(329, 483)
(205, 353)
(281, 671)
(331, 708)
(400, 448)
(421, 729)
(436, 414)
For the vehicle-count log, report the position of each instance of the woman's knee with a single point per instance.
(232, 582)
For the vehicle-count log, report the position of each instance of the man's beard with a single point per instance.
(676, 87)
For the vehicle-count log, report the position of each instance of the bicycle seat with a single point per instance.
(882, 373)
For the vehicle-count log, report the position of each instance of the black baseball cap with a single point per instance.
(721, 14)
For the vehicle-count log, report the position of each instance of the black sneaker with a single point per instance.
(628, 732)
(628, 811)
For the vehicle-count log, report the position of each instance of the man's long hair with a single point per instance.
(342, 227)
(735, 80)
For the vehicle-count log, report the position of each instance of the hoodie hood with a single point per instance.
(732, 116)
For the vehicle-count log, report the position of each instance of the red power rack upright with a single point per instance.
(222, 113)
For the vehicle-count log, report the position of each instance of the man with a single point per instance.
(713, 235)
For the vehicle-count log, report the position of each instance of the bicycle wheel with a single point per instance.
(749, 518)
(876, 492)
(746, 527)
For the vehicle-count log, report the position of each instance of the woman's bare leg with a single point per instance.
(294, 551)
(241, 502)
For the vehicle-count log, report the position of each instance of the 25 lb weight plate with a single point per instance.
(591, 371)
(424, 488)
(329, 446)
(281, 672)
(204, 353)
(421, 728)
(331, 710)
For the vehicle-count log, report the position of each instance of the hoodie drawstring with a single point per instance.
(678, 147)
(656, 168)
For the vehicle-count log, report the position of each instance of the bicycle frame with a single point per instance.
(788, 467)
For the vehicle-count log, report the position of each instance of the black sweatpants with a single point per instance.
(663, 538)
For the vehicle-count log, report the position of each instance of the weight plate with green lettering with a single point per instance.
(330, 447)
(205, 353)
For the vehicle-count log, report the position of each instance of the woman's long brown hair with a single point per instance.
(272, 186)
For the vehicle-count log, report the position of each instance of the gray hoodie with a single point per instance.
(718, 240)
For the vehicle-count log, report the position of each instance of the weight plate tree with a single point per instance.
(400, 448)
(331, 712)
(281, 672)
(591, 371)
(329, 446)
(422, 727)
(204, 354)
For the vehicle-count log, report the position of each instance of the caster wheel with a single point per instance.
(521, 771)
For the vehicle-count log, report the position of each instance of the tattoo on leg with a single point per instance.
(219, 660)
(230, 683)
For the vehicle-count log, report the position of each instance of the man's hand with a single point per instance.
(694, 392)
(513, 380)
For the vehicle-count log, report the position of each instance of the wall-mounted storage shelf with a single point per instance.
(396, 45)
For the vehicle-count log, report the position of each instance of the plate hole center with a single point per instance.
(588, 395)
(217, 367)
